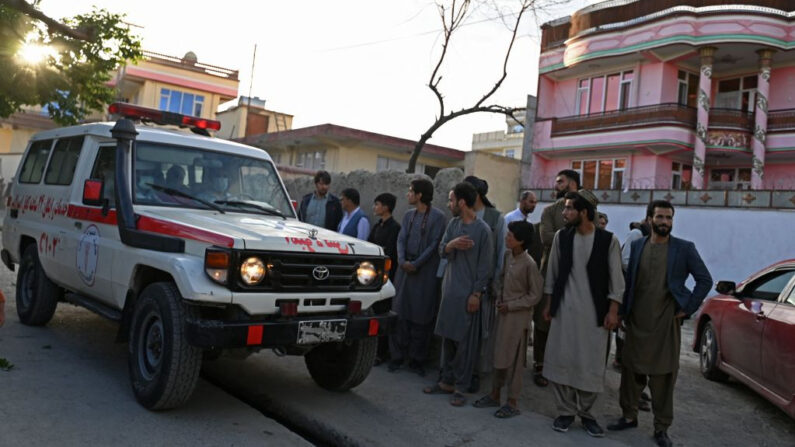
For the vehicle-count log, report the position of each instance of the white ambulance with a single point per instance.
(192, 244)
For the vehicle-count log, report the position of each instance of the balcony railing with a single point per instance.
(731, 119)
(597, 17)
(670, 114)
(781, 121)
(659, 114)
(185, 64)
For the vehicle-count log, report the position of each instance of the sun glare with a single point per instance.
(33, 53)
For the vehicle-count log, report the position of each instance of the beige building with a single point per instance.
(248, 116)
(502, 173)
(507, 143)
(342, 149)
(181, 85)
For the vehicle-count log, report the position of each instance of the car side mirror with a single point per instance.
(726, 287)
(92, 192)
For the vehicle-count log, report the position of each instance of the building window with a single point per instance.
(681, 176)
(600, 174)
(737, 94)
(688, 89)
(390, 164)
(181, 102)
(510, 153)
(311, 160)
(730, 178)
(604, 93)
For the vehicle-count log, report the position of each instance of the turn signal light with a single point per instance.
(216, 265)
(387, 269)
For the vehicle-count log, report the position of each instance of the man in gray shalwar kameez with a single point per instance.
(468, 247)
(416, 284)
(585, 284)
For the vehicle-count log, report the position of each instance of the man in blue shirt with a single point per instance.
(354, 222)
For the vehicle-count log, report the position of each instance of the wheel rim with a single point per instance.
(707, 343)
(150, 349)
(28, 287)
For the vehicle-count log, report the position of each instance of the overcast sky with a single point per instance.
(356, 63)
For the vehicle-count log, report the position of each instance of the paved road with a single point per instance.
(70, 385)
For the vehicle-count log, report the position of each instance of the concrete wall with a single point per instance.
(371, 184)
(734, 243)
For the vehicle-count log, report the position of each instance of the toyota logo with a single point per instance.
(320, 272)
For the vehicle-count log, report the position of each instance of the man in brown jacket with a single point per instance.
(551, 221)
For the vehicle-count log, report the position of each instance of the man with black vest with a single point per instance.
(585, 286)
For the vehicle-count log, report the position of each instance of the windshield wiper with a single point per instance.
(178, 193)
(264, 209)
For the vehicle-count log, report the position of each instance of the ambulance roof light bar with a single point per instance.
(163, 117)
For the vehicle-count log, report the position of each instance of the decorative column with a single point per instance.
(760, 122)
(704, 89)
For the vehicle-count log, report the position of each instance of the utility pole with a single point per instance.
(250, 86)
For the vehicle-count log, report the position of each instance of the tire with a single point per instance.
(37, 296)
(342, 366)
(164, 367)
(708, 354)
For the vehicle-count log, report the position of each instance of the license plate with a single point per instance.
(321, 331)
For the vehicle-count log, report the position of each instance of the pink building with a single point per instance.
(669, 94)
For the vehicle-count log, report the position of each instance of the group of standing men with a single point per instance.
(587, 293)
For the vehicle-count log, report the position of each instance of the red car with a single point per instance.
(747, 331)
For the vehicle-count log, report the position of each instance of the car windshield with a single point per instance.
(178, 176)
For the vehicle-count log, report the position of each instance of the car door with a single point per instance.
(742, 326)
(95, 232)
(778, 346)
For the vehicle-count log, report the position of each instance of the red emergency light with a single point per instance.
(162, 117)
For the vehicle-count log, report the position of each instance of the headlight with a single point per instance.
(366, 273)
(252, 271)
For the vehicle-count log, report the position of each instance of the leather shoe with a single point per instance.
(622, 424)
(662, 439)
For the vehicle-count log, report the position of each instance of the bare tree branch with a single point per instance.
(452, 19)
(52, 24)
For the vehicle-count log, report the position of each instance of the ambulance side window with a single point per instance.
(105, 170)
(33, 166)
(62, 165)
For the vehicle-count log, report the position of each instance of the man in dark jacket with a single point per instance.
(656, 300)
(321, 208)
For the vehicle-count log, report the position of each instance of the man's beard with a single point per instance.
(527, 210)
(573, 223)
(456, 211)
(560, 194)
(661, 230)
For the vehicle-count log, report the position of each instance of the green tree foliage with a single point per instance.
(84, 51)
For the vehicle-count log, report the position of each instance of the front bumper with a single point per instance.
(278, 333)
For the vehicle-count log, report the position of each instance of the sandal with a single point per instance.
(485, 402)
(436, 389)
(507, 411)
(539, 379)
(458, 399)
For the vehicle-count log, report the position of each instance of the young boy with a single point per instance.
(520, 291)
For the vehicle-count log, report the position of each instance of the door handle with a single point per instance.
(78, 225)
(760, 316)
(13, 213)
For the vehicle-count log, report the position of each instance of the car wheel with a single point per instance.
(37, 296)
(342, 366)
(708, 354)
(163, 366)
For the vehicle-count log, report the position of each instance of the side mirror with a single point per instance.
(726, 287)
(92, 192)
